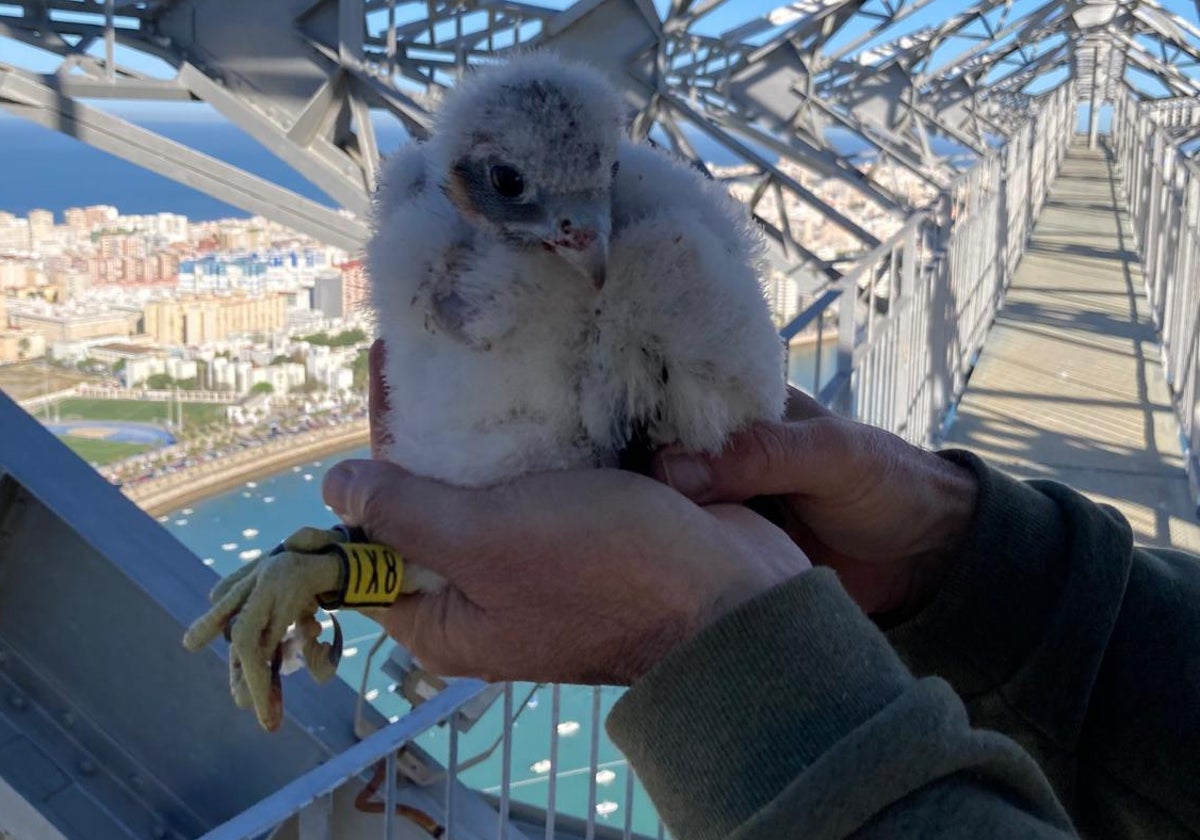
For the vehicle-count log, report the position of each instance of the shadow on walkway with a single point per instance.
(1069, 385)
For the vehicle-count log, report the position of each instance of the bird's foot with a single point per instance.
(256, 605)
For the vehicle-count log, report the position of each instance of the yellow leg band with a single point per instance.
(371, 576)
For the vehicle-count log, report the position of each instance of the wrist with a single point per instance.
(954, 493)
(802, 645)
(672, 632)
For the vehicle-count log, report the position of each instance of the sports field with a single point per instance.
(102, 452)
(104, 431)
(139, 411)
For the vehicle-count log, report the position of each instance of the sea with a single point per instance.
(235, 527)
(43, 169)
(228, 530)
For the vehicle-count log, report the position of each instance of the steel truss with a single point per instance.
(785, 93)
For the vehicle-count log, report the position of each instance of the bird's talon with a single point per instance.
(271, 717)
(335, 650)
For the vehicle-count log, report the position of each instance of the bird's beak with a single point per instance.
(582, 240)
(589, 259)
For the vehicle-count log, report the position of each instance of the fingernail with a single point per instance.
(336, 486)
(689, 475)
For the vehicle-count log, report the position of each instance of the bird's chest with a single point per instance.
(484, 378)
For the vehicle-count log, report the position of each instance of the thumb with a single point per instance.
(767, 459)
(426, 520)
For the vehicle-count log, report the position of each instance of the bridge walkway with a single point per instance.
(1068, 385)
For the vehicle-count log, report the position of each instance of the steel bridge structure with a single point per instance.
(925, 137)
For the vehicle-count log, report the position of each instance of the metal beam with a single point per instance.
(35, 101)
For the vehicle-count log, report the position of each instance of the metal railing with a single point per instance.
(1162, 186)
(417, 796)
(909, 319)
(913, 314)
(1183, 112)
(313, 792)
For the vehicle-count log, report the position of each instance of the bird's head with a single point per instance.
(528, 150)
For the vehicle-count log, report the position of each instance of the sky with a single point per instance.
(724, 17)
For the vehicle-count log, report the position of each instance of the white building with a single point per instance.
(139, 370)
(282, 378)
(242, 372)
(327, 294)
(14, 235)
(221, 374)
(182, 369)
(320, 360)
(339, 379)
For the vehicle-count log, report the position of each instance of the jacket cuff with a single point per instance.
(1005, 580)
(723, 724)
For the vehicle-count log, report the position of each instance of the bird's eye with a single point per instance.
(507, 181)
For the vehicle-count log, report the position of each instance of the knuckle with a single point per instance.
(832, 434)
(376, 508)
(241, 636)
(772, 447)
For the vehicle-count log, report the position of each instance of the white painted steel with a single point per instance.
(1162, 186)
(913, 314)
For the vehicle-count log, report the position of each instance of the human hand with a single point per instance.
(882, 513)
(587, 576)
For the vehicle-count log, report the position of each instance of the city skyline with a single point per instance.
(146, 299)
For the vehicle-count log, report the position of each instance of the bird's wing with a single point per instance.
(651, 181)
(401, 181)
(686, 351)
(417, 240)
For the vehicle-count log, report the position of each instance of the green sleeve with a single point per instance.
(1056, 631)
(793, 717)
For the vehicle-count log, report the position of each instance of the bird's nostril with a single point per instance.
(565, 225)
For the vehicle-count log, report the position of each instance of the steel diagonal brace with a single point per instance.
(33, 100)
(1170, 76)
(1045, 17)
(318, 161)
(827, 162)
(804, 194)
(417, 120)
(888, 144)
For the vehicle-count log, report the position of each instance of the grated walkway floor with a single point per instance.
(1069, 386)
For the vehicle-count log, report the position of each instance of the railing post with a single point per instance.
(844, 401)
(905, 298)
(1002, 231)
(316, 819)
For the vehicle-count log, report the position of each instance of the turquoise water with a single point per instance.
(216, 530)
(230, 529)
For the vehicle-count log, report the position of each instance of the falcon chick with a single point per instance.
(550, 292)
(551, 295)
